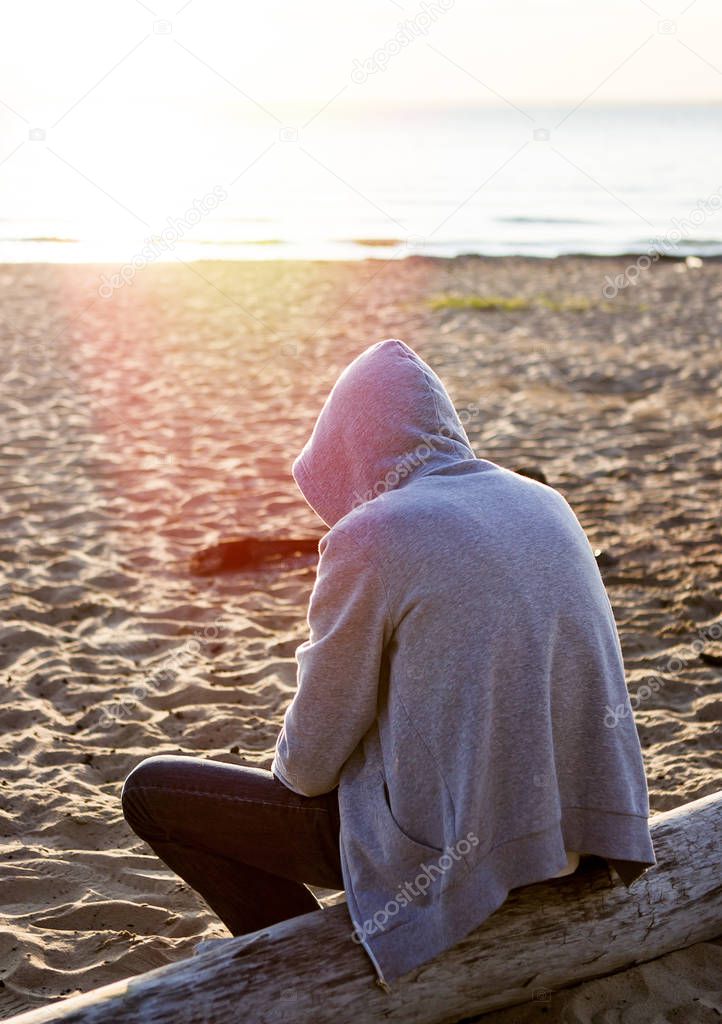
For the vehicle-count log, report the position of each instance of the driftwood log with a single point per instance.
(240, 553)
(545, 937)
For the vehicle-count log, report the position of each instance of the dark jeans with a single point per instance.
(236, 835)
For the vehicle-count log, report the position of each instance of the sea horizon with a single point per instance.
(540, 181)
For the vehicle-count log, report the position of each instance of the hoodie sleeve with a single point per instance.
(338, 670)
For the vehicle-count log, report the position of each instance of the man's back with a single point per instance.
(504, 652)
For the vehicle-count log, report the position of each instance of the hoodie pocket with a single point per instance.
(413, 846)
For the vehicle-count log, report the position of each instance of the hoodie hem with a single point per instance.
(465, 906)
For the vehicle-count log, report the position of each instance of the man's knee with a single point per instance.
(136, 797)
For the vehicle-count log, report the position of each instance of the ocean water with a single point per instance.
(167, 182)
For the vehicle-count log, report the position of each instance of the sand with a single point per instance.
(138, 428)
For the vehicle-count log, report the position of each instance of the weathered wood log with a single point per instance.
(545, 936)
(250, 553)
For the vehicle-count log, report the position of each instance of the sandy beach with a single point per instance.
(141, 425)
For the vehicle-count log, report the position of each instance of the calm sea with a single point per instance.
(221, 183)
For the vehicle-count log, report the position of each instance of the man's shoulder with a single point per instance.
(414, 518)
(372, 526)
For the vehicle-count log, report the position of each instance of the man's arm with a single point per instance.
(338, 670)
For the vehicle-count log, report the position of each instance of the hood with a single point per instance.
(387, 420)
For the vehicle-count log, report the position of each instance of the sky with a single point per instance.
(283, 52)
(111, 114)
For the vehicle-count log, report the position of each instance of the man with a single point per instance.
(450, 738)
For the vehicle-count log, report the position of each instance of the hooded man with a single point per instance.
(461, 724)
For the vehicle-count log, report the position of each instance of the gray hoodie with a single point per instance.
(462, 683)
